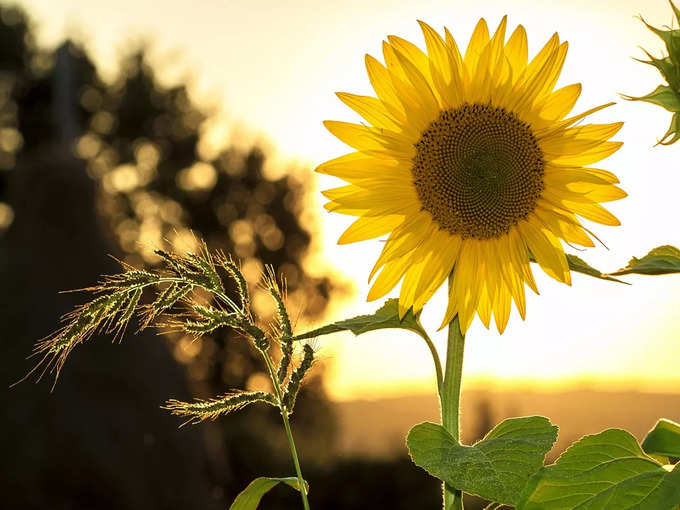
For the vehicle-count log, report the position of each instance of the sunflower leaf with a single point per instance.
(663, 439)
(250, 497)
(605, 470)
(661, 260)
(496, 468)
(581, 266)
(386, 317)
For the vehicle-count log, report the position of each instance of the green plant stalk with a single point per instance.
(286, 424)
(435, 359)
(449, 398)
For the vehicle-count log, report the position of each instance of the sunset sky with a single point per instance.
(274, 66)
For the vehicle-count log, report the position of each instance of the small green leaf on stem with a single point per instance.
(605, 470)
(386, 317)
(250, 497)
(496, 468)
(581, 266)
(661, 260)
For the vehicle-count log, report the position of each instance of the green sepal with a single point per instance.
(601, 471)
(671, 38)
(668, 68)
(673, 133)
(496, 468)
(386, 317)
(663, 96)
(661, 260)
(250, 497)
(663, 439)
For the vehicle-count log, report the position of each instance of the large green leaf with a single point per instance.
(663, 439)
(496, 468)
(608, 470)
(250, 497)
(661, 260)
(386, 317)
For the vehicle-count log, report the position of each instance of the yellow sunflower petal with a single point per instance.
(382, 84)
(410, 284)
(357, 165)
(599, 152)
(389, 277)
(412, 53)
(366, 138)
(563, 226)
(478, 41)
(517, 50)
(547, 250)
(405, 239)
(440, 263)
(368, 228)
(371, 109)
(594, 212)
(467, 292)
(444, 68)
(560, 102)
(501, 312)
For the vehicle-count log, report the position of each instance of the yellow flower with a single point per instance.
(471, 167)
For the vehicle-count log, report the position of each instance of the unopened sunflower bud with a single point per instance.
(666, 96)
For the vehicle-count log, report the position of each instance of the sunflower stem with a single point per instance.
(449, 399)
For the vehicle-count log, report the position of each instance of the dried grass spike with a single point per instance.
(202, 410)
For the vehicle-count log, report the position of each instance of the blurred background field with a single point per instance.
(129, 127)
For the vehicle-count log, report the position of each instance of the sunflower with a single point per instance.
(471, 167)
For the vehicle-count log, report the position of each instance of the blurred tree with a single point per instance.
(100, 440)
(144, 145)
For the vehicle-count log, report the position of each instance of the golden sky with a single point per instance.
(276, 65)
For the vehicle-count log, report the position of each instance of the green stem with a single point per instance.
(286, 424)
(293, 452)
(450, 398)
(435, 358)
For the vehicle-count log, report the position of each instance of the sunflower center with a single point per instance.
(478, 170)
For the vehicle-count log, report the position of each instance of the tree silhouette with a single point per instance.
(100, 439)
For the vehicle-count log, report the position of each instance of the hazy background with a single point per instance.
(125, 126)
